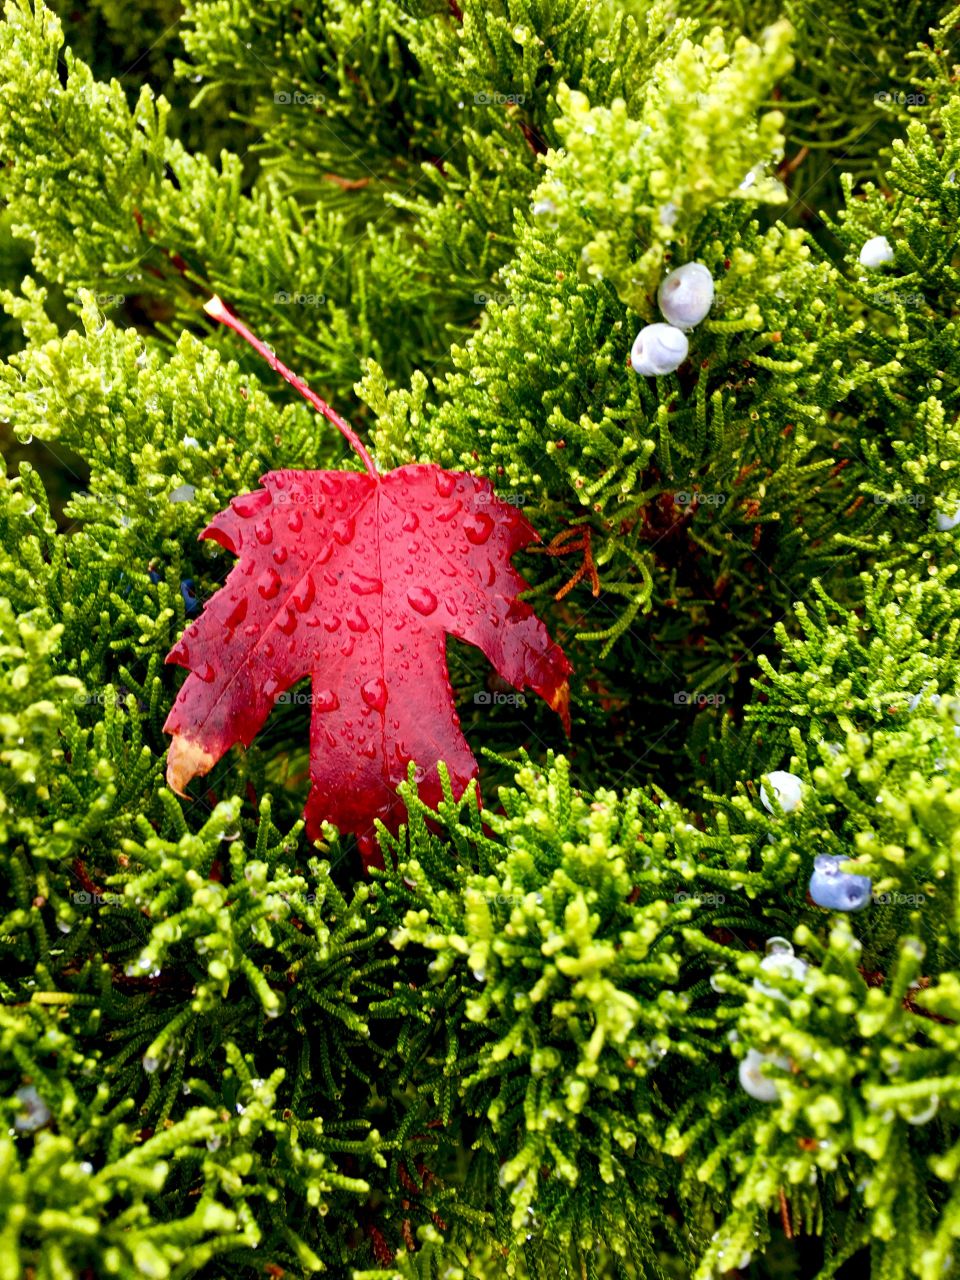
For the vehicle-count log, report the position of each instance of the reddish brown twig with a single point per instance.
(785, 1215)
(567, 541)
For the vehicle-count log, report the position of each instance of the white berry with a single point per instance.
(658, 349)
(945, 522)
(788, 788)
(686, 295)
(752, 1079)
(876, 252)
(785, 965)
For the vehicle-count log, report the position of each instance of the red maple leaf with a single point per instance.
(355, 579)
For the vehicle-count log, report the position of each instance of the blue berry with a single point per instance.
(838, 890)
(34, 1114)
(189, 595)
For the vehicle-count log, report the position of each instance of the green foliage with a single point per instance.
(554, 971)
(854, 82)
(618, 179)
(864, 1042)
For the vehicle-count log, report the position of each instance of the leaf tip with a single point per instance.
(186, 760)
(560, 702)
(214, 306)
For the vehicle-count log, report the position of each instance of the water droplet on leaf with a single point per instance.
(374, 694)
(478, 527)
(423, 600)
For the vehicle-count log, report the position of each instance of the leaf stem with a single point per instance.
(219, 310)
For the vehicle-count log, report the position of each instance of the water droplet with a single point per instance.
(411, 522)
(304, 593)
(331, 623)
(348, 646)
(325, 700)
(270, 686)
(478, 528)
(248, 504)
(325, 552)
(779, 946)
(206, 673)
(280, 555)
(365, 586)
(446, 483)
(237, 613)
(295, 521)
(287, 622)
(357, 621)
(264, 531)
(446, 516)
(927, 1113)
(268, 584)
(423, 600)
(374, 694)
(343, 530)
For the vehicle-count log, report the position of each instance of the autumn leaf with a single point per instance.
(354, 580)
